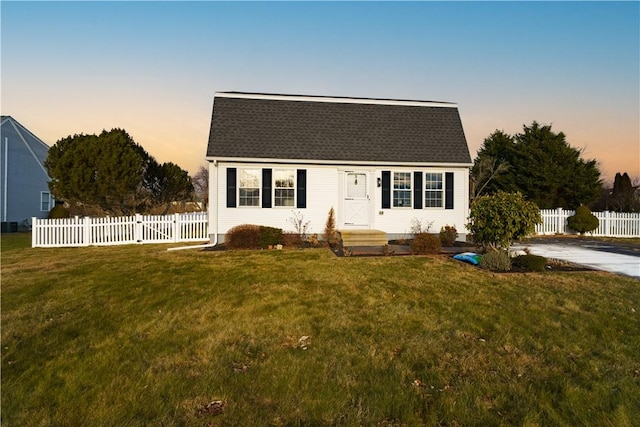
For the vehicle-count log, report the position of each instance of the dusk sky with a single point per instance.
(152, 67)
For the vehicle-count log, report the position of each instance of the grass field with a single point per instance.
(136, 335)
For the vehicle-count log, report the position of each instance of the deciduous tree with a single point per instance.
(201, 186)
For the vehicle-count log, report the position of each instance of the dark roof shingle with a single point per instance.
(352, 131)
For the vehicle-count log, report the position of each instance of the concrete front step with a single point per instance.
(363, 237)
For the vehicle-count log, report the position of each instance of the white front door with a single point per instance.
(356, 201)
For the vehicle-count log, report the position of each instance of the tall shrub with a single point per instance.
(330, 232)
(497, 220)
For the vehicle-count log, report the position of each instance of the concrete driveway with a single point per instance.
(615, 257)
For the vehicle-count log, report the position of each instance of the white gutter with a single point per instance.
(6, 177)
(214, 192)
(212, 188)
(339, 162)
(206, 245)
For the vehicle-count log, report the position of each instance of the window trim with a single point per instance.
(48, 201)
(293, 188)
(395, 190)
(258, 173)
(440, 190)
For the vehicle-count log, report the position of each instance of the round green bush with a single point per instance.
(583, 221)
(496, 260)
(530, 262)
(497, 220)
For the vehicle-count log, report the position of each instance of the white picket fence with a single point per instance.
(136, 229)
(193, 227)
(612, 224)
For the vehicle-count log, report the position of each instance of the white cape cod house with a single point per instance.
(380, 163)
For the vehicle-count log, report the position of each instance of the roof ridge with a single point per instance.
(336, 99)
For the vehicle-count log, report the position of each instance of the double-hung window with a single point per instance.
(417, 189)
(249, 187)
(45, 201)
(433, 190)
(284, 187)
(402, 189)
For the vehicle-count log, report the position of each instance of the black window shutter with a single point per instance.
(231, 187)
(448, 190)
(266, 188)
(417, 190)
(386, 189)
(301, 188)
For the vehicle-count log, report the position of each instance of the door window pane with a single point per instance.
(356, 185)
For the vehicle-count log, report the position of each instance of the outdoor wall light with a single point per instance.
(379, 182)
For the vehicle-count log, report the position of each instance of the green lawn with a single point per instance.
(137, 335)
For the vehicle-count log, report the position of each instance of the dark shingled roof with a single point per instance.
(257, 126)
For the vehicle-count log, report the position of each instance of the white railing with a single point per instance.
(87, 231)
(612, 224)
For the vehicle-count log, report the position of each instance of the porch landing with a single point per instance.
(352, 238)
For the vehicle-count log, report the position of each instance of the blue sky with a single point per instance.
(152, 67)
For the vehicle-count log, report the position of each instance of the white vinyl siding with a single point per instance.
(326, 188)
(322, 182)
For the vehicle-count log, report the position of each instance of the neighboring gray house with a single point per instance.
(380, 163)
(24, 190)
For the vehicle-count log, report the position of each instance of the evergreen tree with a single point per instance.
(102, 171)
(488, 172)
(623, 199)
(170, 183)
(110, 171)
(541, 165)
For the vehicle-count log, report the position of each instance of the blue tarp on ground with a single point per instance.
(470, 257)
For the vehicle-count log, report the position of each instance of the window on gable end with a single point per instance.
(284, 187)
(401, 189)
(249, 187)
(45, 201)
(433, 190)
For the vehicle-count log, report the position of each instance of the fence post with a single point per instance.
(137, 230)
(86, 230)
(607, 221)
(177, 227)
(34, 231)
(559, 221)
